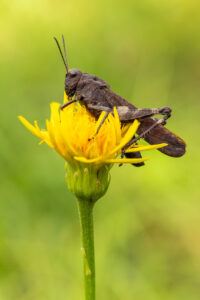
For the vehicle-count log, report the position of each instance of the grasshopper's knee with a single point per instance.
(166, 111)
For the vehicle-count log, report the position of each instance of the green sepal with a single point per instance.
(88, 181)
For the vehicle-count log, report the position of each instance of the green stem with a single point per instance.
(87, 246)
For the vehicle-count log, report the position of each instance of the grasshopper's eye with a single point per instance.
(72, 73)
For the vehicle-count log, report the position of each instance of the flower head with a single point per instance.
(71, 132)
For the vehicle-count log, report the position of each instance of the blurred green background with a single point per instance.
(147, 227)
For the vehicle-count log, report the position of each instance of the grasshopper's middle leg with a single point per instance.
(99, 109)
(135, 139)
(104, 118)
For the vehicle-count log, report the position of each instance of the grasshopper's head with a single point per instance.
(71, 81)
(72, 76)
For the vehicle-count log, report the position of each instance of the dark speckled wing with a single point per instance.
(160, 134)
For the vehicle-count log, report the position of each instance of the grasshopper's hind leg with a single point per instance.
(127, 114)
(144, 113)
(135, 139)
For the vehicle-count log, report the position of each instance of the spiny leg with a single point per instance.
(135, 139)
(104, 118)
(99, 109)
(163, 110)
(127, 114)
(133, 155)
(142, 113)
(166, 111)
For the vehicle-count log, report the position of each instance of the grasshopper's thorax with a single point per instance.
(71, 81)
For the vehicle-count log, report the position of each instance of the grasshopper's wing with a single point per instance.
(160, 134)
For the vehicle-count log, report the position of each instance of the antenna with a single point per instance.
(65, 62)
(64, 50)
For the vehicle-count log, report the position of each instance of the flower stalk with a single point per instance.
(85, 208)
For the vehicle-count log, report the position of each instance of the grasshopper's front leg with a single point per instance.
(76, 99)
(67, 103)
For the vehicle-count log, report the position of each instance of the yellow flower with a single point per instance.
(71, 132)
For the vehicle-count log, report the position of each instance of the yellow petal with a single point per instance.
(30, 127)
(87, 161)
(117, 125)
(65, 99)
(67, 130)
(143, 148)
(128, 136)
(51, 134)
(127, 160)
(100, 119)
(55, 116)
